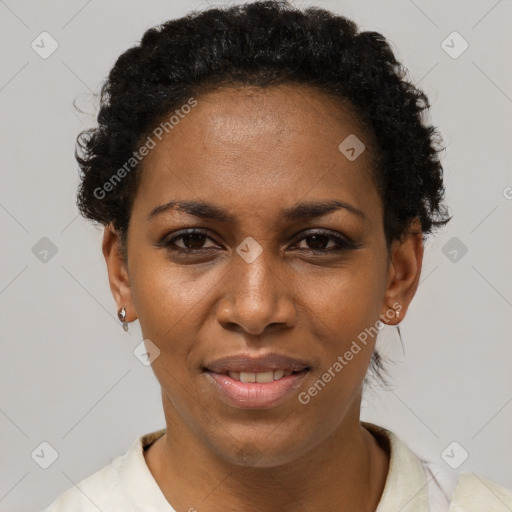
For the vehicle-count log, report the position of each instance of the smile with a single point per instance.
(258, 390)
(260, 376)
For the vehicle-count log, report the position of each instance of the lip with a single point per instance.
(265, 363)
(255, 395)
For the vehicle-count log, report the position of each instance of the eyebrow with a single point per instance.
(308, 210)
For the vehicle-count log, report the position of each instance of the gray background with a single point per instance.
(68, 374)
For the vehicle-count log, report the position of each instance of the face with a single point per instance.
(277, 261)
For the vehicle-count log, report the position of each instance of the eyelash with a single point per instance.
(342, 243)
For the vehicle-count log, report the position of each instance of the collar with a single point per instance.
(136, 480)
(406, 484)
(405, 488)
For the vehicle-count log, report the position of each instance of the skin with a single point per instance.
(254, 153)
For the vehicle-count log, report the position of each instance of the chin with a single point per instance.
(264, 451)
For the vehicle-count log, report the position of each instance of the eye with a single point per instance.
(318, 242)
(192, 241)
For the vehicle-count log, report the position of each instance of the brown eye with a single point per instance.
(187, 242)
(192, 240)
(319, 243)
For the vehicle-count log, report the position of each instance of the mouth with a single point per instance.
(256, 383)
(261, 377)
(247, 365)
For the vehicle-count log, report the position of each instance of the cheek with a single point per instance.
(342, 318)
(346, 301)
(169, 308)
(336, 303)
(172, 303)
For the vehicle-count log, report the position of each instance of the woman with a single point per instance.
(266, 183)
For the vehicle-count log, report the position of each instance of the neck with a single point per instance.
(346, 472)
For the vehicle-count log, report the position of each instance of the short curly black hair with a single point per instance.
(265, 43)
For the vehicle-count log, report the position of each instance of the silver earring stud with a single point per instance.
(121, 314)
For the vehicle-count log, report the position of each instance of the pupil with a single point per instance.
(197, 240)
(319, 239)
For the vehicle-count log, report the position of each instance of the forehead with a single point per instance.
(268, 144)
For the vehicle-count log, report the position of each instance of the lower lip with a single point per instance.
(255, 395)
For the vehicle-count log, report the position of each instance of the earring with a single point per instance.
(121, 314)
(397, 313)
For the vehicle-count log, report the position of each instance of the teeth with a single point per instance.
(265, 377)
(261, 377)
(278, 374)
(247, 377)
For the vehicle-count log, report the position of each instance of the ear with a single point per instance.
(118, 272)
(405, 260)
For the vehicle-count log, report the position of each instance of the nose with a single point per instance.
(257, 297)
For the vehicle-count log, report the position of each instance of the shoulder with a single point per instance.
(123, 485)
(474, 493)
(414, 484)
(96, 492)
(451, 491)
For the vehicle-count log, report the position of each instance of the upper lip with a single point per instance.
(245, 363)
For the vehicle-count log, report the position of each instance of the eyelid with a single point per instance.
(322, 232)
(167, 239)
(342, 241)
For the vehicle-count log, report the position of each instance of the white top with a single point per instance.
(412, 485)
